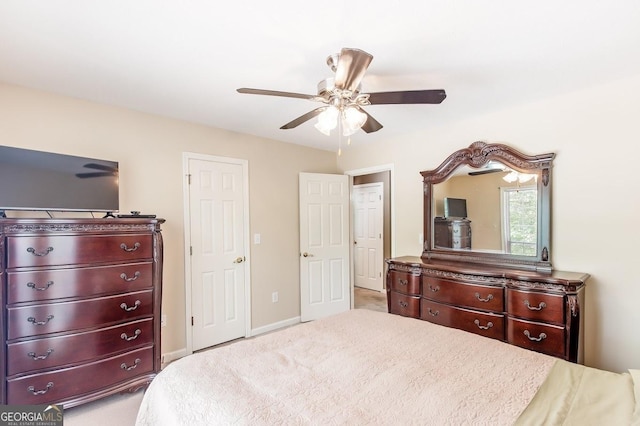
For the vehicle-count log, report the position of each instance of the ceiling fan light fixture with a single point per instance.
(352, 120)
(328, 120)
(513, 176)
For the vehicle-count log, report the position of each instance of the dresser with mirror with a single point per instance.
(503, 285)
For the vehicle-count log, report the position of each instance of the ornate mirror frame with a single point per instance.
(477, 155)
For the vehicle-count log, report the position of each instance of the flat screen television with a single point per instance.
(37, 180)
(455, 207)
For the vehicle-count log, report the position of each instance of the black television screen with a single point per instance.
(37, 180)
(455, 207)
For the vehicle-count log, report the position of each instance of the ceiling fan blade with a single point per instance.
(408, 97)
(484, 172)
(98, 167)
(352, 64)
(94, 174)
(371, 125)
(276, 93)
(305, 117)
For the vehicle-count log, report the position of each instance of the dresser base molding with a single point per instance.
(129, 387)
(539, 311)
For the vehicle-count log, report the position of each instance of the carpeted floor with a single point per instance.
(122, 410)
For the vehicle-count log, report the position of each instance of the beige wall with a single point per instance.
(149, 149)
(596, 137)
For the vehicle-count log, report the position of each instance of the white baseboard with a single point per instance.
(275, 326)
(172, 356)
(168, 357)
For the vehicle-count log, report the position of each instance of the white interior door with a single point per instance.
(218, 268)
(324, 245)
(367, 233)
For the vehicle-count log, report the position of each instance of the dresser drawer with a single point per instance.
(536, 306)
(460, 242)
(39, 354)
(52, 250)
(31, 286)
(405, 305)
(47, 318)
(545, 338)
(483, 323)
(468, 295)
(404, 282)
(71, 382)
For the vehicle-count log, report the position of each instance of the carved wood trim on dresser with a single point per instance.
(535, 310)
(81, 303)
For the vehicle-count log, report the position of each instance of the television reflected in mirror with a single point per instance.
(455, 207)
(38, 180)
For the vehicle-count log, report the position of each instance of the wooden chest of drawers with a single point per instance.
(533, 310)
(81, 303)
(452, 233)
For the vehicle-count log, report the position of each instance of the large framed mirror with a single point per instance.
(489, 204)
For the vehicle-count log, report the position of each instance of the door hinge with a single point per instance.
(380, 197)
(191, 321)
(189, 179)
(190, 250)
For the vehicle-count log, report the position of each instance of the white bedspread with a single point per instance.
(359, 367)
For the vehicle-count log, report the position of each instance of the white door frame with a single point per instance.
(186, 156)
(392, 219)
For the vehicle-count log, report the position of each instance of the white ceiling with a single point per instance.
(185, 59)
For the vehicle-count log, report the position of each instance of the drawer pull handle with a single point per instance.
(130, 367)
(535, 339)
(434, 289)
(129, 279)
(403, 282)
(483, 327)
(124, 336)
(40, 392)
(433, 313)
(403, 303)
(540, 307)
(130, 308)
(39, 357)
(40, 253)
(488, 299)
(33, 286)
(135, 247)
(33, 320)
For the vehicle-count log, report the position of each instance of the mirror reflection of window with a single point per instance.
(519, 220)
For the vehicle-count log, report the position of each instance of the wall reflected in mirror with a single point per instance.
(500, 214)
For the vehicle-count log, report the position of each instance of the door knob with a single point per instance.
(239, 260)
(305, 254)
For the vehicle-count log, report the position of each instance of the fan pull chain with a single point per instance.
(339, 136)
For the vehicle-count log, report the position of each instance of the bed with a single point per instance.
(367, 367)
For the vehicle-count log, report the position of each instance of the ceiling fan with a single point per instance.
(104, 171)
(343, 100)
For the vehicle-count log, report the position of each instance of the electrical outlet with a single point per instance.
(163, 320)
(274, 296)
